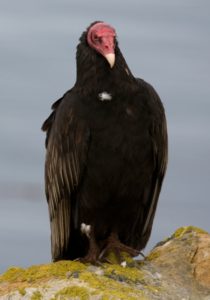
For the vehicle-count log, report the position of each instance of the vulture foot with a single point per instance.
(115, 246)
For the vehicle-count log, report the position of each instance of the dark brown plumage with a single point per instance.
(105, 160)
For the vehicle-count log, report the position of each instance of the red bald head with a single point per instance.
(101, 37)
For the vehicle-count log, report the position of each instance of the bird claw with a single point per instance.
(117, 248)
(142, 254)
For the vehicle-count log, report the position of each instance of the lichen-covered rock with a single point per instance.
(177, 268)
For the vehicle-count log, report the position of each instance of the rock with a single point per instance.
(177, 268)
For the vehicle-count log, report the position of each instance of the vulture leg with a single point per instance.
(114, 245)
(93, 251)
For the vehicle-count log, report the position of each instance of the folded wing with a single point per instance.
(67, 146)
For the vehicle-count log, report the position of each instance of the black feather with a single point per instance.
(105, 161)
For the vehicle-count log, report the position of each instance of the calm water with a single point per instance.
(166, 43)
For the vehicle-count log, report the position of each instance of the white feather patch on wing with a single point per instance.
(85, 229)
(104, 96)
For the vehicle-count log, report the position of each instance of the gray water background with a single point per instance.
(165, 42)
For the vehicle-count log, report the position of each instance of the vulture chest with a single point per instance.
(120, 156)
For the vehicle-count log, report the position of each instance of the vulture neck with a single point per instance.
(94, 74)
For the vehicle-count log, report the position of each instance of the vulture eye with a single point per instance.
(97, 39)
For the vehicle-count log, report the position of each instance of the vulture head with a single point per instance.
(100, 62)
(101, 37)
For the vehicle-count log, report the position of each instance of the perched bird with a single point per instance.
(106, 155)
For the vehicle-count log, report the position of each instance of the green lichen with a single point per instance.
(72, 292)
(36, 296)
(187, 229)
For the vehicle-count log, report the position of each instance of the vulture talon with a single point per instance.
(114, 245)
(142, 254)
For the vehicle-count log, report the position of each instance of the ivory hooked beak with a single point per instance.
(110, 57)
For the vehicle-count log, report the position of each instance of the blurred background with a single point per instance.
(165, 42)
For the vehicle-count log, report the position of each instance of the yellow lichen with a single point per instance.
(115, 283)
(186, 229)
(129, 274)
(22, 291)
(72, 292)
(110, 287)
(41, 272)
(153, 255)
(12, 274)
(36, 296)
(113, 259)
(153, 289)
(18, 278)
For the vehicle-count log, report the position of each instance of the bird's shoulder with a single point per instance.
(150, 96)
(140, 104)
(66, 114)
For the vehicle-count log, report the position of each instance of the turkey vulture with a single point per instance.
(106, 155)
